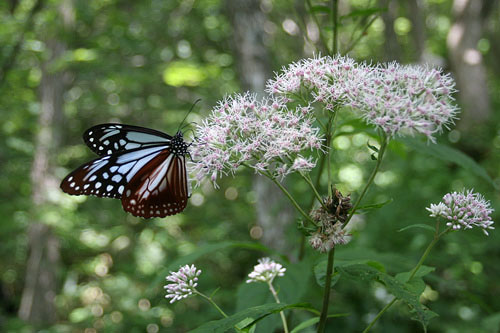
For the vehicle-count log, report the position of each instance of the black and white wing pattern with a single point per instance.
(106, 139)
(151, 180)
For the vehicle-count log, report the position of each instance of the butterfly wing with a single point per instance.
(108, 176)
(159, 189)
(107, 139)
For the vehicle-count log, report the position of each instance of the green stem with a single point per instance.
(361, 35)
(292, 200)
(311, 205)
(209, 299)
(370, 180)
(414, 271)
(311, 185)
(326, 293)
(284, 190)
(316, 21)
(367, 329)
(282, 314)
(335, 10)
(328, 159)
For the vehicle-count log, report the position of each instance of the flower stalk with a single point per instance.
(380, 156)
(326, 293)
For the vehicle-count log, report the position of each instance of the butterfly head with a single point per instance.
(179, 147)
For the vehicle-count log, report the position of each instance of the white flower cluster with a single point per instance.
(465, 210)
(183, 283)
(263, 134)
(266, 271)
(397, 99)
(270, 134)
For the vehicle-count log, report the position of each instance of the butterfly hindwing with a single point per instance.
(107, 139)
(160, 188)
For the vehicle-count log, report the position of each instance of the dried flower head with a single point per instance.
(330, 222)
(183, 283)
(465, 209)
(327, 238)
(266, 271)
(263, 134)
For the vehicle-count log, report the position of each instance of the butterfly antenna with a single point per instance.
(187, 124)
(187, 114)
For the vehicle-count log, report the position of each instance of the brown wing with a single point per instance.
(159, 189)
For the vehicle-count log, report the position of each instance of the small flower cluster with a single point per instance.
(331, 221)
(266, 271)
(329, 80)
(262, 134)
(406, 100)
(183, 283)
(465, 210)
(397, 99)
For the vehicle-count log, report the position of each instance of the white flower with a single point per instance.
(183, 283)
(465, 210)
(406, 100)
(266, 271)
(262, 134)
(397, 99)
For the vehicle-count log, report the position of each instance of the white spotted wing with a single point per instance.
(107, 139)
(151, 180)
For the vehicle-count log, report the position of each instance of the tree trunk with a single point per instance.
(467, 63)
(37, 301)
(418, 28)
(273, 214)
(391, 47)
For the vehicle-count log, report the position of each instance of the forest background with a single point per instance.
(78, 264)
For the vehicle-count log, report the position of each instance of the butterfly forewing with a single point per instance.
(109, 175)
(159, 189)
(107, 139)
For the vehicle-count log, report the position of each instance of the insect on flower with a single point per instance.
(143, 167)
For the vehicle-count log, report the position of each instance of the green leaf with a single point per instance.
(375, 149)
(399, 289)
(320, 270)
(422, 271)
(418, 225)
(376, 206)
(255, 313)
(305, 324)
(320, 274)
(449, 154)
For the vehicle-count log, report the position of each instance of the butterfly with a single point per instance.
(143, 167)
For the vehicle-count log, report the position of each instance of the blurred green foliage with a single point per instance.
(145, 63)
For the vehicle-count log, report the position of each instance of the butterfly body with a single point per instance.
(144, 168)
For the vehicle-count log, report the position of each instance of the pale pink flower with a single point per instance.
(398, 99)
(263, 134)
(465, 209)
(183, 283)
(407, 99)
(266, 271)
